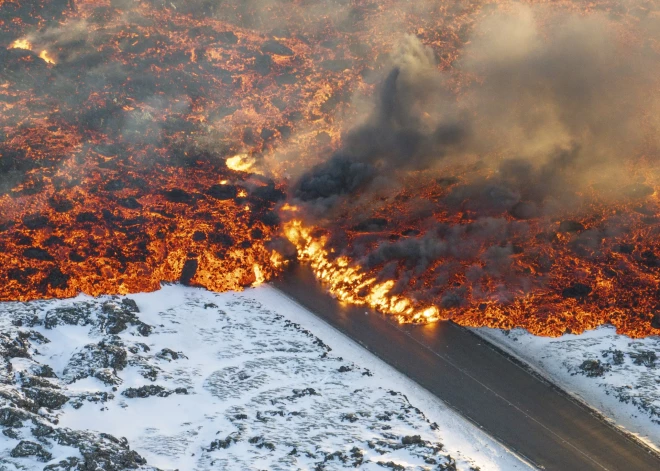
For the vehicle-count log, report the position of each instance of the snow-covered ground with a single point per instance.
(187, 379)
(616, 375)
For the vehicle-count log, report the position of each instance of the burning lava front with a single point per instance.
(487, 162)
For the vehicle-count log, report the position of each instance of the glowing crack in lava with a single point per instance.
(421, 164)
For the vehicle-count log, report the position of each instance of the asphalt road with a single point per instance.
(522, 411)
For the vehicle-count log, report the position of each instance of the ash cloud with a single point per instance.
(553, 104)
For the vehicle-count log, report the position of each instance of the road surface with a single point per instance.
(524, 412)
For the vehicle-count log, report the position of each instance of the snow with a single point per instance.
(249, 380)
(614, 374)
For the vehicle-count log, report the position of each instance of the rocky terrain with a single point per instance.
(617, 375)
(191, 380)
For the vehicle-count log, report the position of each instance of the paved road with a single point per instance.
(527, 414)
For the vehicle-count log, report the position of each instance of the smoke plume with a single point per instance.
(554, 105)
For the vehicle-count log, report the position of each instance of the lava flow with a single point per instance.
(483, 161)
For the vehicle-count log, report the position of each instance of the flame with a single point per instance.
(277, 259)
(289, 208)
(240, 163)
(21, 44)
(28, 46)
(350, 284)
(46, 56)
(259, 277)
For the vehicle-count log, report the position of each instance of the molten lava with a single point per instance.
(148, 142)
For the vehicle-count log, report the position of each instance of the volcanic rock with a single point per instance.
(227, 37)
(223, 192)
(178, 195)
(76, 257)
(69, 464)
(570, 226)
(626, 248)
(54, 241)
(188, 272)
(524, 210)
(412, 440)
(13, 417)
(271, 218)
(198, 236)
(262, 64)
(638, 190)
(129, 203)
(100, 450)
(644, 358)
(169, 354)
(593, 368)
(649, 258)
(6, 226)
(13, 346)
(36, 222)
(101, 360)
(86, 217)
(71, 315)
(151, 390)
(27, 448)
(222, 444)
(577, 291)
(120, 314)
(115, 185)
(221, 238)
(56, 279)
(145, 391)
(269, 193)
(29, 380)
(277, 48)
(371, 225)
(36, 253)
(46, 397)
(655, 322)
(337, 65)
(61, 205)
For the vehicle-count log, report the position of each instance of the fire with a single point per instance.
(21, 44)
(240, 163)
(349, 283)
(28, 46)
(546, 288)
(46, 56)
(259, 277)
(162, 146)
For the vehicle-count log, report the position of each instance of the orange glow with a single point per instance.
(240, 163)
(46, 56)
(21, 44)
(168, 158)
(349, 283)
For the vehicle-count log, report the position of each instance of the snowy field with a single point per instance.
(191, 380)
(617, 375)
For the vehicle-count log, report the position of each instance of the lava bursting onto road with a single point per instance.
(490, 162)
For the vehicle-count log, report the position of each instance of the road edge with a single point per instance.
(519, 455)
(577, 400)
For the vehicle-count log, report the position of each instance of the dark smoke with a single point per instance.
(552, 110)
(538, 122)
(394, 137)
